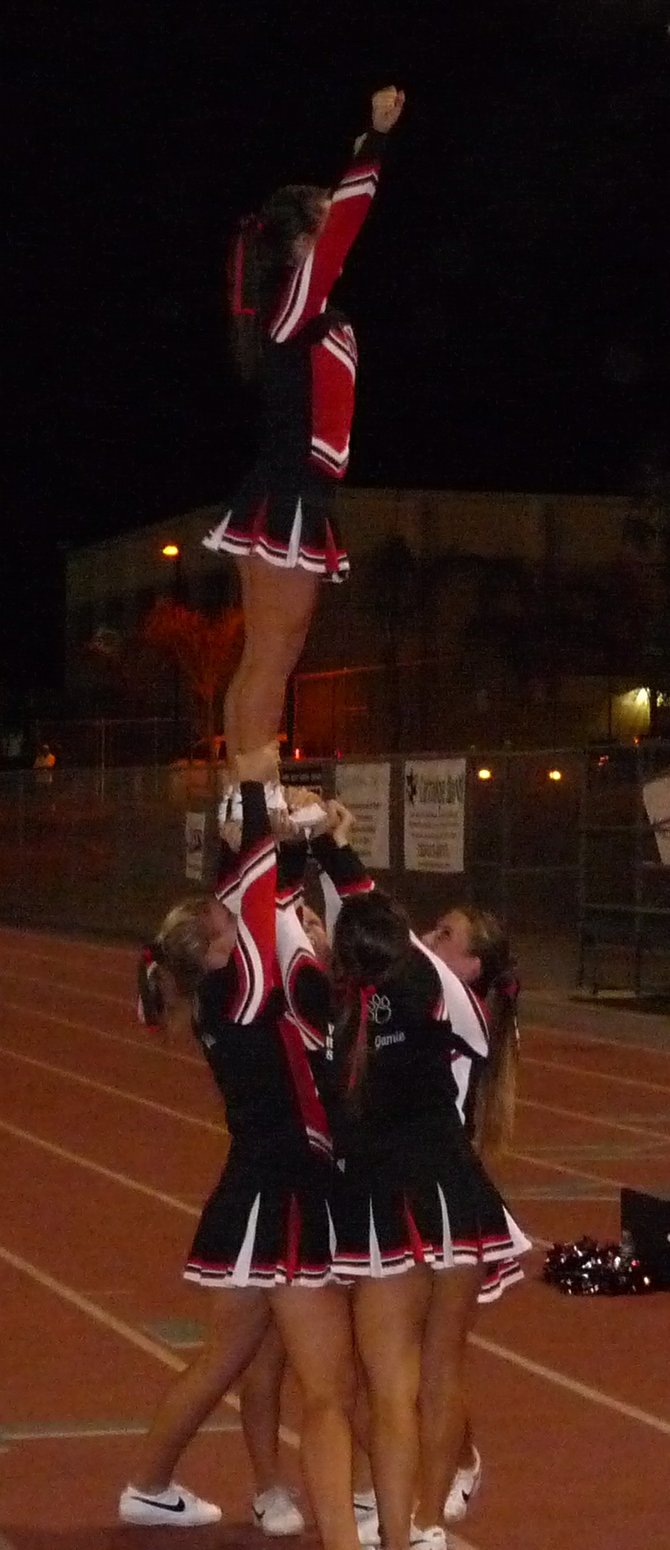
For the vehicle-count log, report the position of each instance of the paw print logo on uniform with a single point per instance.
(379, 1009)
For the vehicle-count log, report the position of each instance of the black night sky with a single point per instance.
(510, 293)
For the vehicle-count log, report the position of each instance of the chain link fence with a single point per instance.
(104, 850)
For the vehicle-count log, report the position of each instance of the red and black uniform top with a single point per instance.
(310, 355)
(263, 1044)
(394, 1056)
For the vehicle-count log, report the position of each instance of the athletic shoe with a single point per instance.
(431, 1538)
(367, 1518)
(304, 819)
(230, 808)
(174, 1508)
(276, 1513)
(275, 801)
(464, 1486)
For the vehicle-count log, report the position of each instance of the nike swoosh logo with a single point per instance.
(150, 1501)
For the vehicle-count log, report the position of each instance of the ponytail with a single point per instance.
(371, 946)
(495, 1096)
(171, 968)
(498, 988)
(260, 254)
(244, 298)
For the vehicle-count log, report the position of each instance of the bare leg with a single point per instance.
(260, 1397)
(362, 1470)
(230, 704)
(316, 1330)
(389, 1317)
(442, 1403)
(278, 606)
(240, 1317)
(466, 1457)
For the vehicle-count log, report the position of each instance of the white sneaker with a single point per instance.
(276, 1513)
(304, 819)
(433, 1538)
(367, 1518)
(174, 1508)
(275, 801)
(230, 808)
(464, 1486)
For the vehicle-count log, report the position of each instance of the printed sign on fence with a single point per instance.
(656, 795)
(364, 789)
(194, 832)
(434, 815)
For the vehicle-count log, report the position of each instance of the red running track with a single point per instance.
(110, 1141)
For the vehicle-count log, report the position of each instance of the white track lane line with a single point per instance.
(583, 1390)
(548, 1374)
(149, 1347)
(20, 954)
(600, 1076)
(534, 1028)
(78, 944)
(72, 990)
(128, 954)
(149, 1045)
(521, 1156)
(595, 1119)
(571, 1173)
(110, 1174)
(113, 1092)
(153, 1047)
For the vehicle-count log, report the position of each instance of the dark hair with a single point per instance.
(493, 1121)
(171, 968)
(371, 940)
(371, 945)
(261, 252)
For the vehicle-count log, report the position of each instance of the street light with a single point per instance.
(172, 552)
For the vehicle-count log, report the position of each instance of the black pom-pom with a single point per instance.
(591, 1269)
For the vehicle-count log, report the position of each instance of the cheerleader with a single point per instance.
(472, 943)
(280, 527)
(473, 946)
(264, 1241)
(413, 1206)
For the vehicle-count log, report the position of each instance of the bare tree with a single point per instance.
(204, 649)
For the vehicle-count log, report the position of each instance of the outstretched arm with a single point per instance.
(342, 871)
(255, 948)
(309, 285)
(458, 1005)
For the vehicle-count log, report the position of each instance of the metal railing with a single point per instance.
(104, 850)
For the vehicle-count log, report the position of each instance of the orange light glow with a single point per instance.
(297, 753)
(554, 774)
(484, 773)
(171, 551)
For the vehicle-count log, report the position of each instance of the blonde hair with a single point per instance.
(497, 985)
(181, 944)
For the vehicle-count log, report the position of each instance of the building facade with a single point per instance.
(470, 619)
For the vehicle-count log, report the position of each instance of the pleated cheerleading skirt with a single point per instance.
(287, 519)
(265, 1227)
(442, 1212)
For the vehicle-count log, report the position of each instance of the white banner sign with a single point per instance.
(364, 789)
(434, 815)
(194, 832)
(656, 795)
